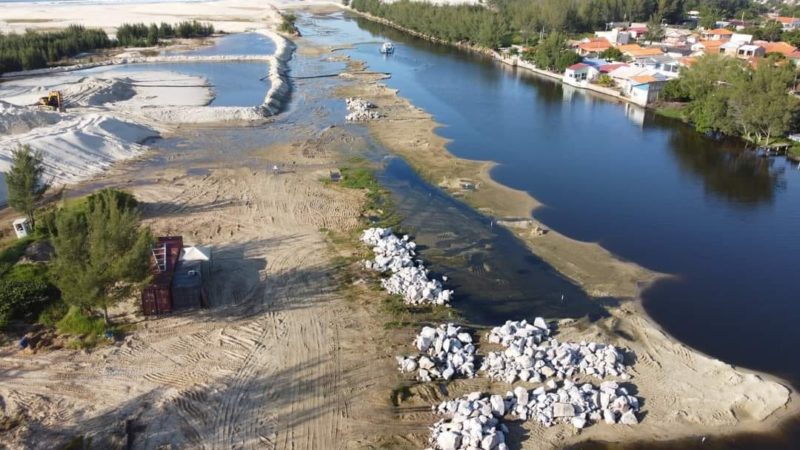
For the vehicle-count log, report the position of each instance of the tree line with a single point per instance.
(728, 96)
(34, 50)
(520, 21)
(141, 35)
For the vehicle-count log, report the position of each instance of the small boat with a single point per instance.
(387, 48)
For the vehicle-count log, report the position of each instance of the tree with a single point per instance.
(612, 54)
(761, 105)
(24, 181)
(102, 254)
(152, 35)
(770, 31)
(655, 32)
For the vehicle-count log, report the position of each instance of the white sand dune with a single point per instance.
(76, 147)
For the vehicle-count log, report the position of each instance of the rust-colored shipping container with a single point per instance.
(157, 297)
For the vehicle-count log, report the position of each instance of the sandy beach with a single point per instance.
(294, 353)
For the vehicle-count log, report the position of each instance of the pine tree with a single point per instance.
(24, 181)
(102, 253)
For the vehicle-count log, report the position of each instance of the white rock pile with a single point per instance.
(359, 110)
(571, 403)
(447, 351)
(532, 355)
(473, 423)
(409, 277)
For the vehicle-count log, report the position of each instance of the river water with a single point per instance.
(722, 222)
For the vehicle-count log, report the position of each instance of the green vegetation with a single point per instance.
(358, 178)
(34, 50)
(24, 296)
(728, 96)
(102, 254)
(520, 21)
(141, 35)
(612, 54)
(794, 150)
(12, 253)
(24, 181)
(551, 54)
(87, 329)
(287, 23)
(672, 111)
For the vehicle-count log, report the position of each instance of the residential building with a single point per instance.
(717, 34)
(730, 48)
(783, 48)
(706, 47)
(789, 23)
(637, 32)
(741, 38)
(662, 64)
(593, 46)
(750, 51)
(580, 74)
(635, 51)
(615, 36)
(644, 89)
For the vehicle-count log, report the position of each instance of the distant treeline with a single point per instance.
(34, 50)
(140, 35)
(503, 21)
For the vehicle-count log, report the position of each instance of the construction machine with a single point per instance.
(52, 100)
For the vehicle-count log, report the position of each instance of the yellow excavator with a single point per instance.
(52, 100)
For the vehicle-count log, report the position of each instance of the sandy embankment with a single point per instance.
(685, 392)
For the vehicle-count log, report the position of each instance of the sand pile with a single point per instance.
(447, 351)
(17, 120)
(95, 91)
(77, 146)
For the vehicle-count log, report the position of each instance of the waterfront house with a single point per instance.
(580, 74)
(750, 51)
(615, 36)
(645, 89)
(593, 46)
(789, 23)
(717, 34)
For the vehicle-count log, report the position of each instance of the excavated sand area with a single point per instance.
(277, 362)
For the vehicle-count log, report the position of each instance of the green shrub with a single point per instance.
(78, 324)
(11, 254)
(23, 299)
(358, 178)
(53, 313)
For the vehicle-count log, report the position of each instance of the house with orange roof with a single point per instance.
(789, 23)
(707, 47)
(636, 51)
(593, 46)
(718, 34)
(784, 48)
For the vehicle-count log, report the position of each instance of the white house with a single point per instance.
(615, 36)
(663, 65)
(645, 89)
(580, 74)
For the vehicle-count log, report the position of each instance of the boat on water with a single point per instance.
(387, 48)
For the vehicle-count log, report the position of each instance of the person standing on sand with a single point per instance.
(275, 169)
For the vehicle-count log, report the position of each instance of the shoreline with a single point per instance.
(725, 388)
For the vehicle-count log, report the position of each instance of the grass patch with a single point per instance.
(86, 330)
(358, 178)
(672, 111)
(794, 150)
(12, 253)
